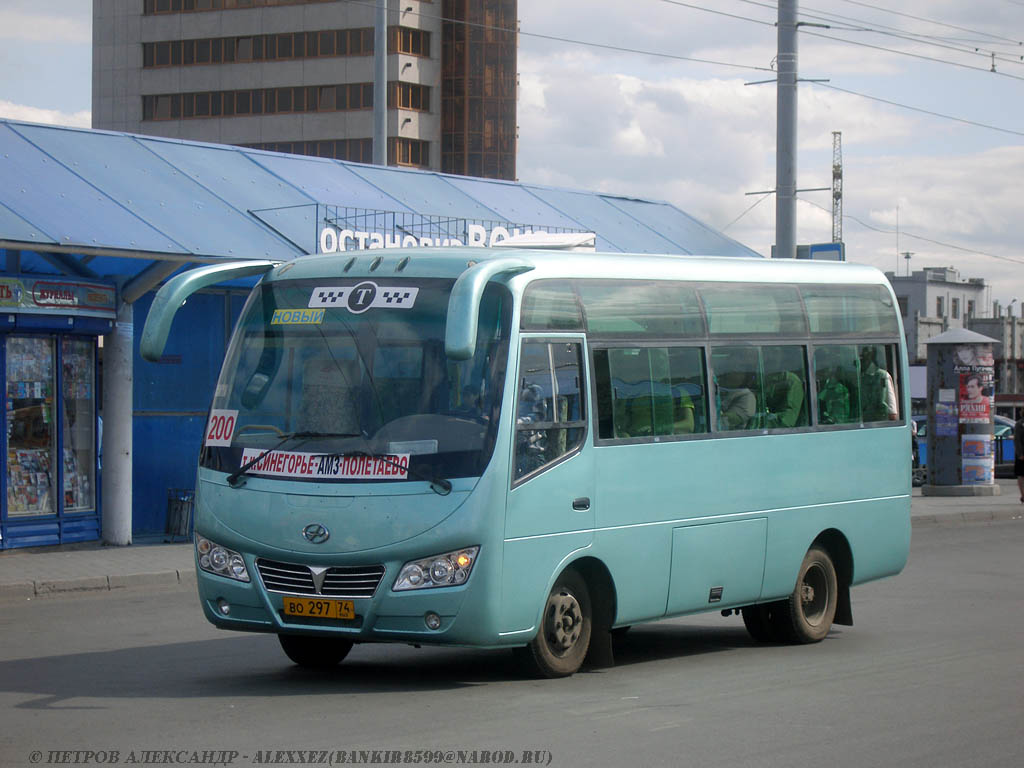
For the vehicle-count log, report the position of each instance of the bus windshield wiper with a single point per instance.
(438, 485)
(235, 477)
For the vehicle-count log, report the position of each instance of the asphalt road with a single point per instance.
(930, 675)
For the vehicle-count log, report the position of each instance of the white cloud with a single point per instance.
(51, 116)
(44, 27)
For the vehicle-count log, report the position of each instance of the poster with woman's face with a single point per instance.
(974, 398)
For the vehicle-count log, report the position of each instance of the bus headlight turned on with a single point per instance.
(446, 570)
(213, 558)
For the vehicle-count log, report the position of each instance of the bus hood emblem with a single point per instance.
(315, 533)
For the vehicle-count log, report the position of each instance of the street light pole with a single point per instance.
(785, 133)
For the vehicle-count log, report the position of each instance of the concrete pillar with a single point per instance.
(117, 429)
(380, 83)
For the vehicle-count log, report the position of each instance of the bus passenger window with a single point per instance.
(877, 388)
(686, 368)
(738, 392)
(785, 387)
(549, 410)
(836, 372)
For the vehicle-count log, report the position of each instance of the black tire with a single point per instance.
(314, 652)
(767, 622)
(563, 638)
(812, 606)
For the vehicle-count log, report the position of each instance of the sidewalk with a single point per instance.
(28, 573)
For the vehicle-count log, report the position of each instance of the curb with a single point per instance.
(26, 590)
(972, 516)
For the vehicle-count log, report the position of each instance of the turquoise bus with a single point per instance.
(537, 449)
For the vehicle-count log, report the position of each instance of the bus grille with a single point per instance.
(337, 581)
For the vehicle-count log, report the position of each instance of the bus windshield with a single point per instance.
(352, 367)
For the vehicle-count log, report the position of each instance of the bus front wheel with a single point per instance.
(812, 606)
(562, 641)
(314, 652)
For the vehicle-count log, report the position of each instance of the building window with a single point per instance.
(356, 150)
(954, 306)
(904, 308)
(408, 152)
(409, 96)
(265, 101)
(276, 47)
(970, 308)
(151, 7)
(415, 42)
(940, 307)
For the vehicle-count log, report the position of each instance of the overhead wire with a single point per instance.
(912, 55)
(919, 109)
(931, 21)
(905, 233)
(572, 41)
(764, 196)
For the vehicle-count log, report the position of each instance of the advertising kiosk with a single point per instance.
(49, 338)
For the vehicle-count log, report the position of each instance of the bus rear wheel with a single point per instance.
(314, 652)
(562, 641)
(812, 606)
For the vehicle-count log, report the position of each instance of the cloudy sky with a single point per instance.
(612, 99)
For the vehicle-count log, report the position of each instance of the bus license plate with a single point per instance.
(319, 609)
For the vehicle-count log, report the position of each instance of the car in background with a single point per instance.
(1003, 426)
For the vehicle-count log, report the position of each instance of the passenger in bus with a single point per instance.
(877, 391)
(784, 390)
(735, 382)
(683, 418)
(833, 396)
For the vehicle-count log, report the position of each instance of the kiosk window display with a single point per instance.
(50, 482)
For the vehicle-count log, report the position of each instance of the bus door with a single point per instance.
(550, 511)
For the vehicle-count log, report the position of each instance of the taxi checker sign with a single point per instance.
(359, 298)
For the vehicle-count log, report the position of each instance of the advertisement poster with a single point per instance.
(976, 446)
(978, 471)
(946, 419)
(974, 365)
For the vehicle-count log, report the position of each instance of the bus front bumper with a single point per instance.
(448, 615)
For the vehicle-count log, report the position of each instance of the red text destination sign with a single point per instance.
(318, 466)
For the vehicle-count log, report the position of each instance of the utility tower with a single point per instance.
(837, 186)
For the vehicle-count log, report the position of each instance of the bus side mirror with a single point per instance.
(173, 293)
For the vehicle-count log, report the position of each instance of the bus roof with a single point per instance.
(452, 262)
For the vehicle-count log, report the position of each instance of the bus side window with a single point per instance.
(739, 394)
(837, 373)
(686, 367)
(549, 412)
(878, 397)
(647, 391)
(785, 387)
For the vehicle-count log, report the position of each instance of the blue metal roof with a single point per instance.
(110, 204)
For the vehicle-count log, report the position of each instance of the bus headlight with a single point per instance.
(213, 558)
(447, 570)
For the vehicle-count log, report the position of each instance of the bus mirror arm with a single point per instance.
(174, 292)
(464, 303)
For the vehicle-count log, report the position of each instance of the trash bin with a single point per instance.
(179, 513)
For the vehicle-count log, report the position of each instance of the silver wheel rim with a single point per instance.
(814, 595)
(564, 622)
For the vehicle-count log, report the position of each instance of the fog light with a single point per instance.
(223, 607)
(432, 620)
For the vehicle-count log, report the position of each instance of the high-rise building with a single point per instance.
(297, 76)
